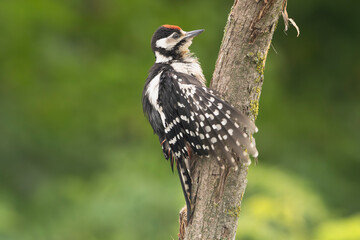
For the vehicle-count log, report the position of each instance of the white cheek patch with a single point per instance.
(166, 43)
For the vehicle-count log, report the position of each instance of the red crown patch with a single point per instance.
(172, 26)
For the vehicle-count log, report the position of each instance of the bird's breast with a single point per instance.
(190, 68)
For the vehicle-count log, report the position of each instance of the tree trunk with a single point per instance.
(238, 76)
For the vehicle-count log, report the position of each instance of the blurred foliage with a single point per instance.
(283, 207)
(78, 159)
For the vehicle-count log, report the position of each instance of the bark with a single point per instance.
(238, 76)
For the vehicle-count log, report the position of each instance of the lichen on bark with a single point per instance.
(239, 73)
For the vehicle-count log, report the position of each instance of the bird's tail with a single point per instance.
(186, 184)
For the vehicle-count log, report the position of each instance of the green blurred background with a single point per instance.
(79, 161)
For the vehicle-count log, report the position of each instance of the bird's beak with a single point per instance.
(194, 33)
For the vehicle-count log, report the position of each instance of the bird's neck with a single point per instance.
(162, 58)
(185, 56)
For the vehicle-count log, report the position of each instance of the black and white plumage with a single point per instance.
(188, 117)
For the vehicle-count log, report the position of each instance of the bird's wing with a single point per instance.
(196, 118)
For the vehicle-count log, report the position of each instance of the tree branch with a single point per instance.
(238, 76)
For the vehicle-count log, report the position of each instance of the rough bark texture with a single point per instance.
(238, 76)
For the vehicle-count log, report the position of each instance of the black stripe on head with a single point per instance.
(173, 52)
(162, 32)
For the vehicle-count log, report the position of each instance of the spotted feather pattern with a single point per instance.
(192, 119)
(197, 117)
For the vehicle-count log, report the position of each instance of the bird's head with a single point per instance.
(170, 42)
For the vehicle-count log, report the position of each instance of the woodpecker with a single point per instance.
(188, 117)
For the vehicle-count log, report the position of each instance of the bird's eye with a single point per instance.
(176, 35)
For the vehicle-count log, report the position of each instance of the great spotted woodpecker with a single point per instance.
(188, 117)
